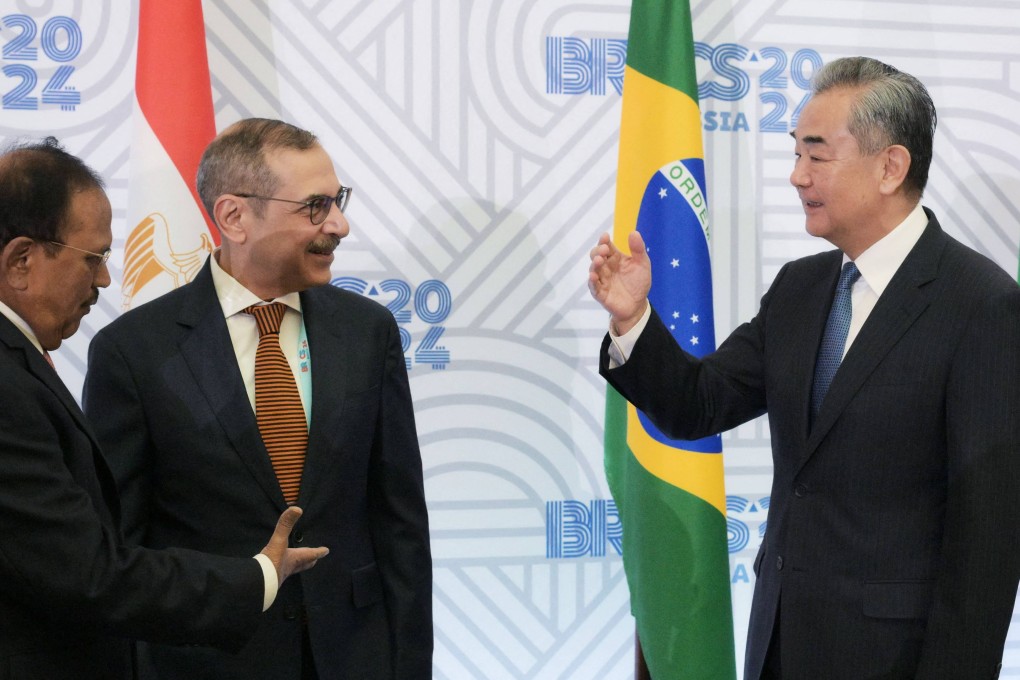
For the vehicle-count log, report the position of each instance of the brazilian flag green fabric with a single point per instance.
(669, 493)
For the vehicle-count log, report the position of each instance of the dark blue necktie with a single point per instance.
(830, 354)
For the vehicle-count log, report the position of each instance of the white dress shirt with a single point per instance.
(22, 326)
(244, 332)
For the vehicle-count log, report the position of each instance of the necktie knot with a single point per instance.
(267, 317)
(847, 276)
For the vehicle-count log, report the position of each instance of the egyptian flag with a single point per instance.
(169, 234)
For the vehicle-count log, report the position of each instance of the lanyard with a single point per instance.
(304, 376)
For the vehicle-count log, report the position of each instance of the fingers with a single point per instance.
(287, 560)
(605, 248)
(606, 259)
(302, 559)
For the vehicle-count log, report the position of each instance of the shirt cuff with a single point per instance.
(271, 578)
(620, 346)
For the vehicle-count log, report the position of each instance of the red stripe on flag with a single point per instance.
(172, 84)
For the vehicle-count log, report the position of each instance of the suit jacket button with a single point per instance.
(800, 491)
(299, 537)
(290, 613)
(779, 563)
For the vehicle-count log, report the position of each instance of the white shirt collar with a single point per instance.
(234, 297)
(22, 325)
(879, 263)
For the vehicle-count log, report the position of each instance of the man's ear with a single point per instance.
(228, 213)
(16, 261)
(896, 163)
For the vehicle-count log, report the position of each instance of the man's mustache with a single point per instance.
(324, 246)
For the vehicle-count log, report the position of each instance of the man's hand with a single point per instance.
(289, 561)
(619, 282)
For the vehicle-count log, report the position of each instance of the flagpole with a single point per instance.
(640, 667)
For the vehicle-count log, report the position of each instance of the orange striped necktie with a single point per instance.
(278, 409)
(49, 359)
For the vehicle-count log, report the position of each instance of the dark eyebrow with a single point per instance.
(808, 139)
(312, 197)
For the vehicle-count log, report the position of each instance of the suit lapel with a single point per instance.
(902, 302)
(35, 364)
(325, 344)
(209, 354)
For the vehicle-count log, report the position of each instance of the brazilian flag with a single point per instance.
(669, 493)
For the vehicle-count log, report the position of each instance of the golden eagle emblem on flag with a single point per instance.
(149, 253)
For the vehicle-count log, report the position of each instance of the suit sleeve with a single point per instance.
(980, 566)
(111, 401)
(687, 397)
(60, 556)
(399, 519)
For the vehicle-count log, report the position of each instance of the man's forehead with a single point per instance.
(300, 165)
(90, 214)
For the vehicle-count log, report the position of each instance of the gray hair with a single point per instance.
(892, 108)
(235, 162)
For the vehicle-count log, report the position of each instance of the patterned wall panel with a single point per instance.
(481, 139)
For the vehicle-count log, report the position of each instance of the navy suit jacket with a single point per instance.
(170, 409)
(891, 549)
(69, 589)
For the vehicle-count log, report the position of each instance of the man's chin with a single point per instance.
(816, 228)
(70, 329)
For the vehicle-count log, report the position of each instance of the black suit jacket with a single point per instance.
(167, 399)
(68, 587)
(893, 528)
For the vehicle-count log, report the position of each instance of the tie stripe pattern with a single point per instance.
(830, 354)
(278, 409)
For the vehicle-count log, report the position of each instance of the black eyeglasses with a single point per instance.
(318, 207)
(100, 258)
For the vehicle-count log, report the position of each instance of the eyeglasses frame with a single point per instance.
(342, 198)
(103, 256)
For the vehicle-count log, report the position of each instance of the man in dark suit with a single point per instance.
(172, 388)
(891, 549)
(71, 592)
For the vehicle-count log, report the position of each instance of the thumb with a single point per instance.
(637, 248)
(286, 522)
(278, 542)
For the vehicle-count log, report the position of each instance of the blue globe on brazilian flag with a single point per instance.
(673, 221)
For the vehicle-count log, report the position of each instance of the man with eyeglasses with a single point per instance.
(71, 592)
(174, 388)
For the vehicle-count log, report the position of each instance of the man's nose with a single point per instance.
(336, 222)
(799, 176)
(102, 277)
